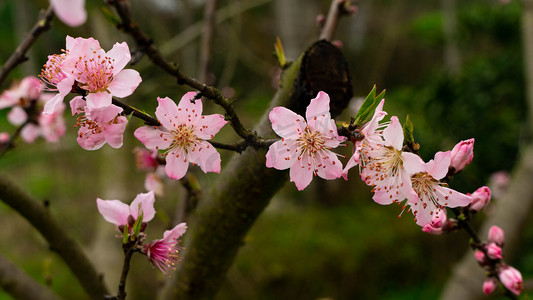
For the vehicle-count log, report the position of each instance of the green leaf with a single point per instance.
(138, 222)
(125, 234)
(280, 54)
(368, 107)
(110, 16)
(408, 130)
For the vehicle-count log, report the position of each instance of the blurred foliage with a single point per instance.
(332, 240)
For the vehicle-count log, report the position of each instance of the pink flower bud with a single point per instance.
(480, 198)
(146, 160)
(490, 285)
(431, 230)
(511, 279)
(496, 235)
(494, 251)
(439, 217)
(462, 155)
(4, 137)
(480, 257)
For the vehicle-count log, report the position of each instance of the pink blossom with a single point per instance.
(431, 193)
(489, 285)
(70, 12)
(146, 160)
(372, 132)
(480, 198)
(88, 67)
(121, 214)
(511, 279)
(50, 126)
(4, 137)
(496, 235)
(494, 251)
(480, 257)
(99, 126)
(305, 147)
(22, 94)
(383, 166)
(153, 182)
(164, 253)
(184, 134)
(439, 218)
(462, 155)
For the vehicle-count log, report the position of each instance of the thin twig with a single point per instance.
(19, 56)
(10, 144)
(336, 10)
(207, 39)
(128, 253)
(129, 110)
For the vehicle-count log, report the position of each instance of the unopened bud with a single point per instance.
(480, 257)
(511, 279)
(462, 155)
(480, 198)
(320, 21)
(496, 235)
(494, 251)
(489, 285)
(337, 43)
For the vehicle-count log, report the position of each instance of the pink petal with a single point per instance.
(319, 107)
(206, 156)
(98, 100)
(146, 201)
(103, 115)
(124, 83)
(177, 164)
(393, 134)
(438, 167)
(152, 182)
(153, 137)
(191, 111)
(301, 172)
(208, 126)
(17, 116)
(167, 113)
(282, 154)
(412, 163)
(286, 123)
(50, 106)
(77, 105)
(328, 165)
(370, 127)
(120, 55)
(354, 161)
(175, 232)
(452, 198)
(382, 197)
(30, 132)
(70, 12)
(114, 132)
(113, 211)
(90, 141)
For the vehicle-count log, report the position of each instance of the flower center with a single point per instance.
(184, 136)
(311, 142)
(96, 73)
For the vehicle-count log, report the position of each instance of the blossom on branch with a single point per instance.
(123, 215)
(305, 147)
(89, 70)
(98, 126)
(164, 253)
(511, 278)
(183, 134)
(462, 154)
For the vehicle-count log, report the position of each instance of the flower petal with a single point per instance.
(114, 132)
(286, 123)
(207, 126)
(124, 83)
(192, 111)
(282, 154)
(30, 132)
(120, 56)
(153, 137)
(17, 116)
(318, 107)
(70, 12)
(175, 232)
(167, 113)
(438, 167)
(206, 156)
(177, 164)
(113, 211)
(393, 134)
(328, 165)
(146, 201)
(301, 172)
(412, 163)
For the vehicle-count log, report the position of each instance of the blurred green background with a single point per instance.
(330, 241)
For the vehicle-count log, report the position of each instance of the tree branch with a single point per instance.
(67, 248)
(207, 39)
(21, 286)
(18, 56)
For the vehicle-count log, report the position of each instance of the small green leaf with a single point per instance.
(368, 107)
(138, 222)
(408, 130)
(110, 16)
(280, 54)
(125, 234)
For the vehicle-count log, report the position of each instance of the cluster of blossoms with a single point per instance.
(131, 220)
(26, 100)
(394, 174)
(489, 256)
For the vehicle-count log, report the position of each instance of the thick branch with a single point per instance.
(67, 248)
(21, 286)
(18, 56)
